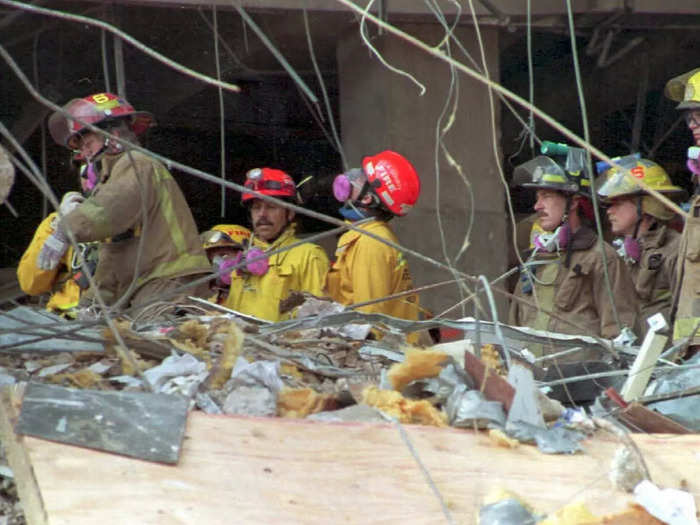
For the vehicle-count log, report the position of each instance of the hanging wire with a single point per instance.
(222, 115)
(276, 53)
(365, 39)
(42, 127)
(530, 75)
(105, 61)
(451, 105)
(549, 120)
(591, 178)
(125, 37)
(324, 92)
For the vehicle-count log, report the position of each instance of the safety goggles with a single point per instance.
(257, 185)
(692, 118)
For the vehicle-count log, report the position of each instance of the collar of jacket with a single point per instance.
(288, 236)
(655, 238)
(107, 162)
(352, 235)
(583, 239)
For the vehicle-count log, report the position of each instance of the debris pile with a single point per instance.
(321, 368)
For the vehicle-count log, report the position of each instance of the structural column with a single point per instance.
(381, 109)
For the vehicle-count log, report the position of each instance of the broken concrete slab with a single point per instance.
(137, 424)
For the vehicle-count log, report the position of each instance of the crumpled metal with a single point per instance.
(258, 373)
(557, 440)
(684, 410)
(465, 408)
(445, 383)
(506, 512)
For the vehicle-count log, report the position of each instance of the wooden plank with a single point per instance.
(18, 458)
(643, 366)
(495, 388)
(641, 419)
(268, 470)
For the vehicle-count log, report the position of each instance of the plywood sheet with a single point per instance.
(266, 470)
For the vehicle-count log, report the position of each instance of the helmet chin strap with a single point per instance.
(629, 247)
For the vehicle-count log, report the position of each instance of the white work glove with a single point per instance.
(53, 249)
(69, 202)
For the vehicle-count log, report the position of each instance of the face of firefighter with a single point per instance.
(90, 144)
(622, 214)
(269, 220)
(692, 118)
(226, 252)
(550, 207)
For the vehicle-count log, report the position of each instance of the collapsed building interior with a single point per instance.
(320, 86)
(626, 53)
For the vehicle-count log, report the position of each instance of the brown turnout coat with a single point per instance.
(138, 206)
(578, 293)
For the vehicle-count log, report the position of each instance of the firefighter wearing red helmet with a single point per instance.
(149, 243)
(259, 282)
(365, 268)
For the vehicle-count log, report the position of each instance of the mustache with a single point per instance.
(262, 222)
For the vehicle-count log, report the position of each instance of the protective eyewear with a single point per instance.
(692, 117)
(257, 185)
(216, 237)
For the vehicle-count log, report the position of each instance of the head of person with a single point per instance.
(561, 196)
(630, 210)
(387, 185)
(113, 114)
(685, 89)
(268, 219)
(225, 241)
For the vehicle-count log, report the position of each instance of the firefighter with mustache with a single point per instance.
(260, 282)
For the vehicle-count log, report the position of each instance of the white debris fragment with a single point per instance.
(625, 470)
(52, 370)
(177, 374)
(251, 401)
(673, 506)
(258, 373)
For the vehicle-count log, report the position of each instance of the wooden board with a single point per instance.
(267, 470)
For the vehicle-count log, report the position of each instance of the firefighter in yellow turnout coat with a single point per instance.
(366, 269)
(66, 281)
(260, 281)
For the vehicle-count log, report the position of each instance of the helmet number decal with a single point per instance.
(100, 98)
(637, 171)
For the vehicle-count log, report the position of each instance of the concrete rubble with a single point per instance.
(307, 369)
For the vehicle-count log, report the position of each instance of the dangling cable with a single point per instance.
(365, 39)
(587, 138)
(35, 67)
(530, 75)
(324, 92)
(222, 116)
